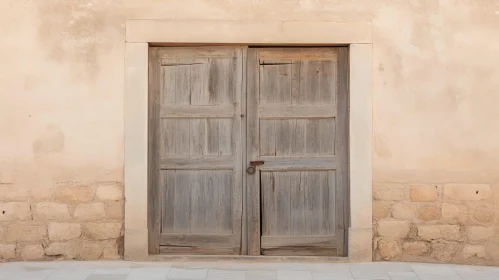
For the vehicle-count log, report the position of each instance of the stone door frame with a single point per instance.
(356, 35)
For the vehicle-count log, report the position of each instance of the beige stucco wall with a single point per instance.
(435, 97)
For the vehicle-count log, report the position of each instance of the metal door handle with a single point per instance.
(252, 166)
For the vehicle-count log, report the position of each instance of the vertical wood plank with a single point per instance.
(213, 143)
(297, 196)
(243, 154)
(210, 193)
(197, 137)
(233, 71)
(153, 187)
(182, 137)
(226, 136)
(168, 209)
(198, 201)
(268, 137)
(168, 85)
(182, 203)
(219, 81)
(295, 82)
(268, 84)
(341, 151)
(235, 177)
(199, 83)
(311, 201)
(268, 203)
(331, 183)
(167, 134)
(283, 136)
(312, 146)
(253, 128)
(183, 85)
(283, 82)
(327, 136)
(323, 215)
(226, 202)
(282, 204)
(328, 82)
(299, 138)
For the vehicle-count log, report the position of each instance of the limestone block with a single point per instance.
(443, 252)
(72, 194)
(390, 192)
(111, 250)
(404, 211)
(64, 231)
(32, 252)
(67, 249)
(10, 211)
(379, 210)
(476, 233)
(484, 214)
(432, 232)
(474, 251)
(41, 193)
(13, 193)
(115, 209)
(389, 228)
(90, 211)
(50, 211)
(31, 233)
(493, 250)
(7, 251)
(90, 250)
(98, 231)
(415, 248)
(110, 192)
(388, 249)
(455, 213)
(467, 191)
(424, 193)
(429, 213)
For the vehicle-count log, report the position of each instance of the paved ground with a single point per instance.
(240, 271)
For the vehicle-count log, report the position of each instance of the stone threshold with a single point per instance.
(215, 258)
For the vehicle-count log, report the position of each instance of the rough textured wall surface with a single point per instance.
(435, 120)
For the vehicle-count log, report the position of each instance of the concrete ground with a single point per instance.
(224, 270)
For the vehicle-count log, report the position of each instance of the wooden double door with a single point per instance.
(248, 151)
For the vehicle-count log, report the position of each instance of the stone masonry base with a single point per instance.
(449, 223)
(67, 221)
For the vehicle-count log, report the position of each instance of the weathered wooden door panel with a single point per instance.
(297, 125)
(195, 150)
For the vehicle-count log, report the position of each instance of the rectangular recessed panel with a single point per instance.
(297, 82)
(275, 82)
(295, 205)
(197, 201)
(198, 81)
(196, 137)
(297, 137)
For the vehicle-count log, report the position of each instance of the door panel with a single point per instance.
(195, 155)
(297, 108)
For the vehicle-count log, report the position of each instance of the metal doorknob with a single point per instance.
(253, 164)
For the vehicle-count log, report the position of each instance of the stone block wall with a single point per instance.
(68, 221)
(454, 223)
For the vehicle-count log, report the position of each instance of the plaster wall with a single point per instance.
(435, 97)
